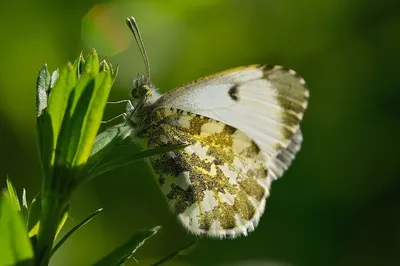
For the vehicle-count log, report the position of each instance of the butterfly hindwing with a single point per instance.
(219, 183)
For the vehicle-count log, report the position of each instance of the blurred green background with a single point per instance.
(339, 204)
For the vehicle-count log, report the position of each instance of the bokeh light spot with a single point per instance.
(103, 30)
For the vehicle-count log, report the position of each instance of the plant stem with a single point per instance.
(56, 192)
(52, 211)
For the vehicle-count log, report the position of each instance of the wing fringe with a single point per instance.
(283, 159)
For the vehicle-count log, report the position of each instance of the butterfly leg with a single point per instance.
(129, 108)
(118, 102)
(123, 115)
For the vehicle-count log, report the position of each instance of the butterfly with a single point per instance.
(242, 131)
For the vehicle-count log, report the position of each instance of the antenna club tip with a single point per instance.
(130, 19)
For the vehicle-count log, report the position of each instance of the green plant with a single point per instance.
(70, 106)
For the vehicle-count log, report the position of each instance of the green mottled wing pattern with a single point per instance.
(217, 185)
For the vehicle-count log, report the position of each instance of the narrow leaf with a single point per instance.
(124, 160)
(25, 263)
(54, 77)
(182, 251)
(13, 195)
(92, 116)
(104, 66)
(24, 207)
(91, 64)
(104, 143)
(15, 246)
(63, 219)
(109, 137)
(78, 64)
(72, 124)
(70, 232)
(42, 86)
(49, 123)
(34, 212)
(59, 97)
(34, 230)
(123, 253)
(114, 71)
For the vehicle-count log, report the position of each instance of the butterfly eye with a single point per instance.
(139, 87)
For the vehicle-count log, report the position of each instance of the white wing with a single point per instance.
(266, 103)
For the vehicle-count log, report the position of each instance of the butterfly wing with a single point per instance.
(218, 184)
(265, 103)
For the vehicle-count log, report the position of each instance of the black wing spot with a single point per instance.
(233, 93)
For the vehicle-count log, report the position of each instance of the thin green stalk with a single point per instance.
(54, 204)
(73, 230)
(52, 211)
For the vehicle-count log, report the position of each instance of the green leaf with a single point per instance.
(126, 251)
(92, 114)
(104, 143)
(44, 122)
(80, 225)
(108, 138)
(35, 210)
(49, 122)
(63, 218)
(59, 98)
(54, 77)
(91, 64)
(124, 160)
(42, 86)
(24, 207)
(13, 195)
(180, 252)
(104, 66)
(114, 72)
(78, 64)
(25, 263)
(70, 131)
(15, 246)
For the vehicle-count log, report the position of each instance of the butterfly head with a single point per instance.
(143, 91)
(144, 94)
(140, 87)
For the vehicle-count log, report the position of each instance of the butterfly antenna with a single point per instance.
(133, 26)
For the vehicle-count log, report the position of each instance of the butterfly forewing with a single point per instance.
(265, 103)
(219, 183)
